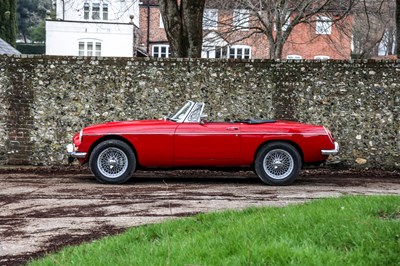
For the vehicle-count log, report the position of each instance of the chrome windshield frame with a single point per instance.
(195, 114)
(181, 115)
(189, 113)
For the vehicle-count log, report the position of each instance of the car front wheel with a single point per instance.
(278, 163)
(112, 161)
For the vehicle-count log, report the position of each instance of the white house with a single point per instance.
(93, 28)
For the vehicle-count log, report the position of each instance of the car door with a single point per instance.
(206, 144)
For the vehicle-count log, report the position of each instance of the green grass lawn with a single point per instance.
(351, 230)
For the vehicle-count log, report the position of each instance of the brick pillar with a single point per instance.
(19, 97)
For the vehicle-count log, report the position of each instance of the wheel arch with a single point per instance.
(116, 137)
(294, 144)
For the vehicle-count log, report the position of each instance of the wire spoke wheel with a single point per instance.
(112, 162)
(278, 164)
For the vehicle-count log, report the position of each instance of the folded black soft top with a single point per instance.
(256, 121)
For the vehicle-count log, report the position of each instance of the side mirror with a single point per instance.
(202, 119)
(166, 117)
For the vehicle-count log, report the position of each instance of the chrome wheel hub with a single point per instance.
(112, 162)
(278, 164)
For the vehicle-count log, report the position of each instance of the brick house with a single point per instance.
(320, 40)
(323, 40)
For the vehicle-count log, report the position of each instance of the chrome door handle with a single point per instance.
(232, 128)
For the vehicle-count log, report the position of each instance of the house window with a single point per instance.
(321, 57)
(81, 48)
(324, 25)
(96, 11)
(208, 52)
(98, 49)
(161, 51)
(221, 52)
(240, 19)
(86, 9)
(240, 52)
(161, 22)
(210, 19)
(214, 52)
(95, 15)
(89, 48)
(294, 57)
(236, 51)
(105, 11)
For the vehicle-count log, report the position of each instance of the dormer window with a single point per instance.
(96, 11)
(105, 11)
(86, 10)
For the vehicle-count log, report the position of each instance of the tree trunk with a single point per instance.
(275, 50)
(171, 16)
(183, 22)
(276, 44)
(390, 40)
(193, 24)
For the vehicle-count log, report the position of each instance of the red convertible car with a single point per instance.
(275, 149)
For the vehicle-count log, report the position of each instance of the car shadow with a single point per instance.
(318, 177)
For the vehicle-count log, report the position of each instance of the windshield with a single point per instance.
(195, 114)
(182, 113)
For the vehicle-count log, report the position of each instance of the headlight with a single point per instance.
(70, 148)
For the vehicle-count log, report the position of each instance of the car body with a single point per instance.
(275, 149)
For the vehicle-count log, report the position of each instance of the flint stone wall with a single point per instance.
(45, 100)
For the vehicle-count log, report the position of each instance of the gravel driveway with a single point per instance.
(43, 209)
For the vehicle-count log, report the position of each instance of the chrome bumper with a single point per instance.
(75, 154)
(331, 152)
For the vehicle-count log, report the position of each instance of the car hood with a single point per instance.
(126, 126)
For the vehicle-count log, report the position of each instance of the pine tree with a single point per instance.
(8, 21)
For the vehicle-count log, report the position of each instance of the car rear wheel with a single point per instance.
(278, 163)
(112, 161)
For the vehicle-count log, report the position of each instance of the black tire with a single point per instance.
(112, 161)
(278, 163)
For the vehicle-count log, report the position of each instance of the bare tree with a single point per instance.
(183, 24)
(278, 18)
(373, 28)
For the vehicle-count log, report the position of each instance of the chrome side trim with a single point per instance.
(331, 152)
(204, 133)
(329, 135)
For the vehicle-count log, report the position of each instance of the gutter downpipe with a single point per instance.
(148, 27)
(63, 10)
